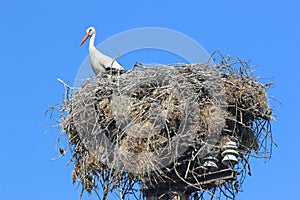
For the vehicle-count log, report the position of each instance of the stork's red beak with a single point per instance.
(84, 39)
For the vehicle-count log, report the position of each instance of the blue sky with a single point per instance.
(40, 42)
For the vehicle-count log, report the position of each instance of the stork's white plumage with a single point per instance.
(99, 61)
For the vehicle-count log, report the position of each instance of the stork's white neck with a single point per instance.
(92, 42)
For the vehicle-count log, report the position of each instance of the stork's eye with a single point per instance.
(90, 30)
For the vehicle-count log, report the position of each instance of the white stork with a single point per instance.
(99, 61)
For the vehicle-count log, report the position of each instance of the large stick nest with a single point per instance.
(154, 124)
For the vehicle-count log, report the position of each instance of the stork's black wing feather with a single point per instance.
(113, 71)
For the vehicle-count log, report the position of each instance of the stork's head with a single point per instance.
(89, 32)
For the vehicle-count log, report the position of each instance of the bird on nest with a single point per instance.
(100, 62)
